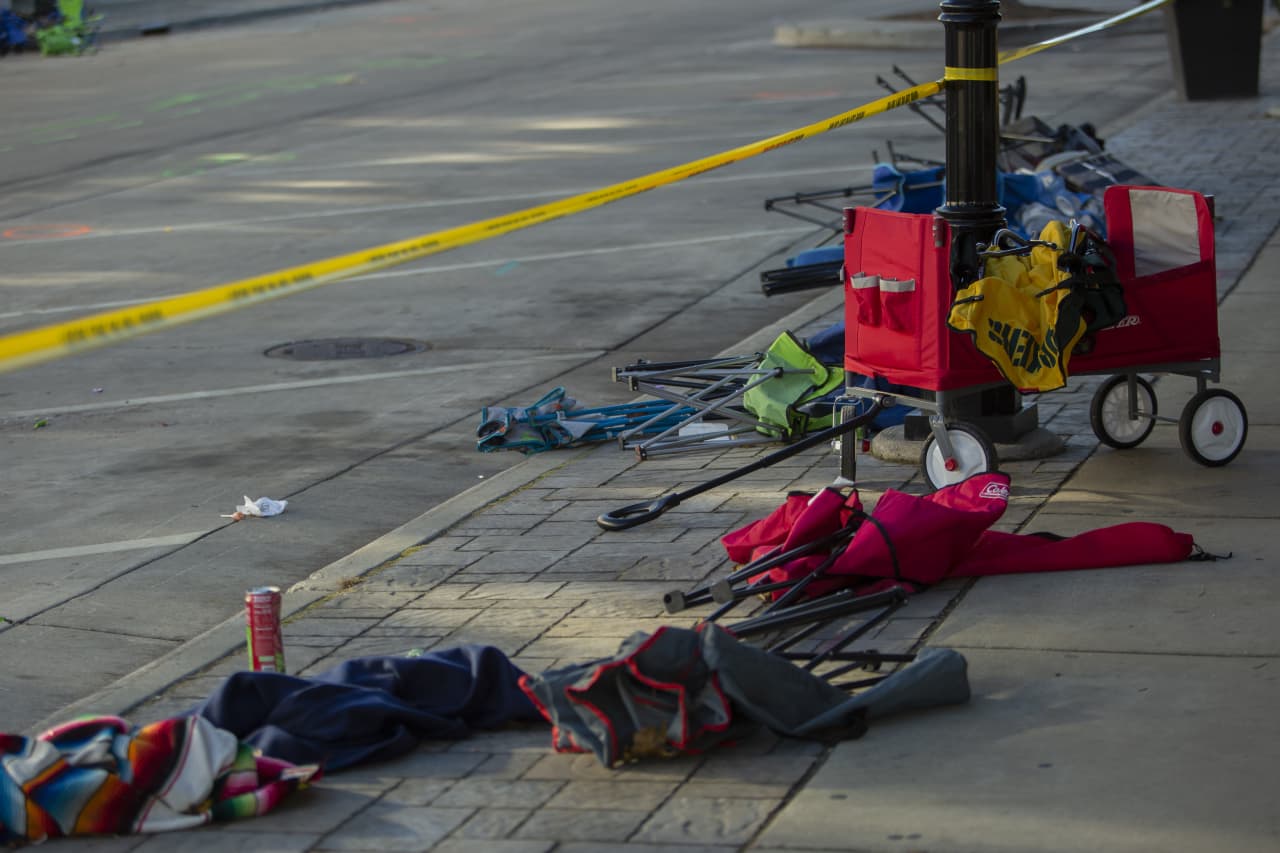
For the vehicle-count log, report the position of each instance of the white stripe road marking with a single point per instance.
(103, 548)
(392, 208)
(300, 384)
(499, 262)
(68, 309)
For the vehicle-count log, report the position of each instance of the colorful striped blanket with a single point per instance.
(100, 775)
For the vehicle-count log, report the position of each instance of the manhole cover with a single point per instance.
(328, 349)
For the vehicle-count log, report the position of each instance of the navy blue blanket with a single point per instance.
(372, 708)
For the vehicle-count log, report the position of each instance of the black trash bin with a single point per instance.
(1215, 46)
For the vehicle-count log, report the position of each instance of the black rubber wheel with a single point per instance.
(1109, 413)
(1213, 427)
(974, 454)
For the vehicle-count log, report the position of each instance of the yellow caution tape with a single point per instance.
(49, 342)
(1022, 52)
(54, 341)
(980, 75)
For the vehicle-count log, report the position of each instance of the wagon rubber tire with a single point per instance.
(1109, 413)
(1213, 427)
(975, 454)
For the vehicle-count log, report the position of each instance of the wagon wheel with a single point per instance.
(1109, 413)
(1213, 427)
(972, 454)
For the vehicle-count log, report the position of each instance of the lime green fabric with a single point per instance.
(776, 401)
(72, 35)
(57, 40)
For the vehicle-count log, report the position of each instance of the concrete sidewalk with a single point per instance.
(1118, 710)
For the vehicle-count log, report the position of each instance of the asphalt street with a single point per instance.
(160, 166)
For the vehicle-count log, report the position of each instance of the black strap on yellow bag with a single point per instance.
(1091, 268)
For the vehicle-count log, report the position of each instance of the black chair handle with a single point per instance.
(635, 514)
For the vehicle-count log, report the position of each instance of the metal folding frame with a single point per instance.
(1012, 99)
(781, 630)
(712, 406)
(635, 514)
(793, 204)
(712, 389)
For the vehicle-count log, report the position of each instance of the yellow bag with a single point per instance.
(1020, 319)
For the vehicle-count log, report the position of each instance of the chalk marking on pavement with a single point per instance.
(102, 548)
(73, 123)
(469, 265)
(702, 77)
(584, 355)
(39, 232)
(796, 96)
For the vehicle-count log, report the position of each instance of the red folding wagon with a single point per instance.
(899, 292)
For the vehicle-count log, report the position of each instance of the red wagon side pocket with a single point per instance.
(865, 292)
(898, 305)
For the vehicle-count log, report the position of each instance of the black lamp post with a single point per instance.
(972, 209)
(972, 212)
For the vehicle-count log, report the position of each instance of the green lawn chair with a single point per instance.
(785, 404)
(735, 400)
(74, 33)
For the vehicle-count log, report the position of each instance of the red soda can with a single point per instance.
(262, 629)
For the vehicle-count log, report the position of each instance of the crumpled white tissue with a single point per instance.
(261, 508)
